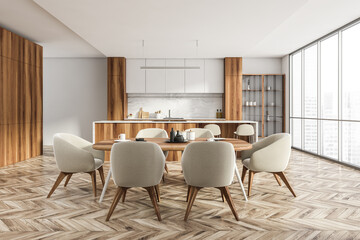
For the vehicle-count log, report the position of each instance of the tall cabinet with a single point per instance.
(116, 88)
(21, 98)
(233, 88)
(263, 97)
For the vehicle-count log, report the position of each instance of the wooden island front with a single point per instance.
(103, 130)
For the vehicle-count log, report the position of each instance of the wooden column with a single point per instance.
(21, 96)
(233, 88)
(117, 98)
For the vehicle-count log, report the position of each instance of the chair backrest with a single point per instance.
(214, 128)
(137, 164)
(201, 132)
(152, 133)
(71, 153)
(273, 154)
(245, 130)
(208, 164)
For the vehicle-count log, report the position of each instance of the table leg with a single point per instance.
(239, 179)
(106, 185)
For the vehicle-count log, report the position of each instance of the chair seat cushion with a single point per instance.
(98, 163)
(246, 163)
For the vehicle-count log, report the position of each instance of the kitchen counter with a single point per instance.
(187, 120)
(132, 126)
(106, 129)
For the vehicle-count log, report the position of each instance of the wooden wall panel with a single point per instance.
(233, 89)
(37, 96)
(20, 98)
(29, 52)
(117, 98)
(233, 66)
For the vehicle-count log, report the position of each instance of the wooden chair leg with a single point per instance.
(163, 178)
(244, 170)
(93, 179)
(151, 191)
(114, 203)
(124, 194)
(101, 173)
(67, 179)
(188, 193)
(222, 195)
(193, 193)
(157, 191)
(166, 168)
(57, 182)
(282, 176)
(251, 177)
(277, 179)
(226, 192)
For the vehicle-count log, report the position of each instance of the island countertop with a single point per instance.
(187, 120)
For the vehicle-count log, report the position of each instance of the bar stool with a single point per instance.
(215, 129)
(245, 130)
(201, 132)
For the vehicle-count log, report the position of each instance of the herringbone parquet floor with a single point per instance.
(327, 206)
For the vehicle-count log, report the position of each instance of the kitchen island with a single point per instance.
(110, 129)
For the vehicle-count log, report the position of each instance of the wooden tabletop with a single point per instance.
(239, 145)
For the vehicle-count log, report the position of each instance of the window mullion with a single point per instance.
(340, 96)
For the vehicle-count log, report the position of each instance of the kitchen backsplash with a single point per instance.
(185, 107)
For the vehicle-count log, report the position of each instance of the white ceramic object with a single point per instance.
(122, 136)
(192, 136)
(185, 135)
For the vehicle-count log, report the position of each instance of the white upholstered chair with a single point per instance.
(75, 155)
(214, 128)
(245, 130)
(208, 164)
(136, 164)
(201, 132)
(154, 133)
(268, 155)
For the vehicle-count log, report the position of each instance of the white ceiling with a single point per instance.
(27, 19)
(170, 28)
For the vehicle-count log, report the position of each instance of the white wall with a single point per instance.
(262, 66)
(74, 95)
(285, 62)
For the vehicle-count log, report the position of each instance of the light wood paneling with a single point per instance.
(233, 66)
(233, 88)
(117, 98)
(20, 98)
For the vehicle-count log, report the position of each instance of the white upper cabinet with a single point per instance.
(208, 77)
(194, 78)
(135, 77)
(155, 78)
(175, 82)
(214, 75)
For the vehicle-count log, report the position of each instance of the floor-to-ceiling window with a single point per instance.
(325, 96)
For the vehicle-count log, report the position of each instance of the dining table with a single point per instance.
(166, 145)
